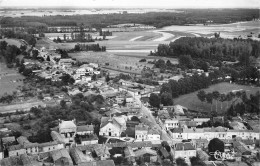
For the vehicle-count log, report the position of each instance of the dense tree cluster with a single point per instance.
(156, 100)
(186, 85)
(215, 145)
(250, 105)
(157, 19)
(48, 117)
(211, 49)
(247, 105)
(89, 47)
(9, 52)
(29, 38)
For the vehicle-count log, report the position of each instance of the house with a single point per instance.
(164, 153)
(184, 150)
(6, 141)
(61, 157)
(16, 150)
(171, 123)
(50, 146)
(153, 135)
(94, 65)
(79, 158)
(87, 140)
(67, 130)
(200, 120)
(85, 130)
(112, 126)
(141, 132)
(66, 62)
(179, 110)
(31, 148)
(146, 154)
(203, 155)
(80, 71)
(102, 152)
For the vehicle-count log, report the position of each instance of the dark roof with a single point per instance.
(184, 146)
(164, 152)
(61, 153)
(85, 128)
(6, 140)
(78, 156)
(100, 163)
(176, 130)
(11, 161)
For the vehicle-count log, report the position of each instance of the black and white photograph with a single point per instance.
(129, 82)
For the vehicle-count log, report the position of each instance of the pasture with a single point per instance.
(10, 80)
(192, 102)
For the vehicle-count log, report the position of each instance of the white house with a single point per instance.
(50, 146)
(67, 130)
(81, 71)
(112, 126)
(144, 133)
(171, 123)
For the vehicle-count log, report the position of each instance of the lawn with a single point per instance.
(15, 42)
(10, 79)
(192, 102)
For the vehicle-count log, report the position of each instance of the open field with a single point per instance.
(20, 106)
(226, 30)
(15, 42)
(127, 36)
(9, 79)
(192, 102)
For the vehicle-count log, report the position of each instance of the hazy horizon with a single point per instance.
(172, 4)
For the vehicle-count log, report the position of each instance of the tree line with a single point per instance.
(157, 19)
(89, 47)
(246, 104)
(209, 49)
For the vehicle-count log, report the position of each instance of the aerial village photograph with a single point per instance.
(129, 82)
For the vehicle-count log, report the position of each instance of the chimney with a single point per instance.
(183, 146)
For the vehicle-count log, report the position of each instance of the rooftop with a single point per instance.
(184, 146)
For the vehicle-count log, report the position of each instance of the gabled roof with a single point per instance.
(67, 124)
(164, 152)
(116, 121)
(6, 140)
(22, 140)
(184, 146)
(61, 153)
(145, 150)
(85, 128)
(79, 157)
(57, 137)
(101, 150)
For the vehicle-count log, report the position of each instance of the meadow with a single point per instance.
(192, 102)
(10, 80)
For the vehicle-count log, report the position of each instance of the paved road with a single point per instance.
(149, 119)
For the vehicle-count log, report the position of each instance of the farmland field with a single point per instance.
(9, 80)
(192, 102)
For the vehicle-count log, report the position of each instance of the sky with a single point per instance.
(135, 3)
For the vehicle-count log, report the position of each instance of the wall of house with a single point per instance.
(185, 154)
(141, 135)
(153, 137)
(84, 132)
(16, 152)
(88, 142)
(32, 150)
(52, 148)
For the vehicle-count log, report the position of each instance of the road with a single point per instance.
(149, 119)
